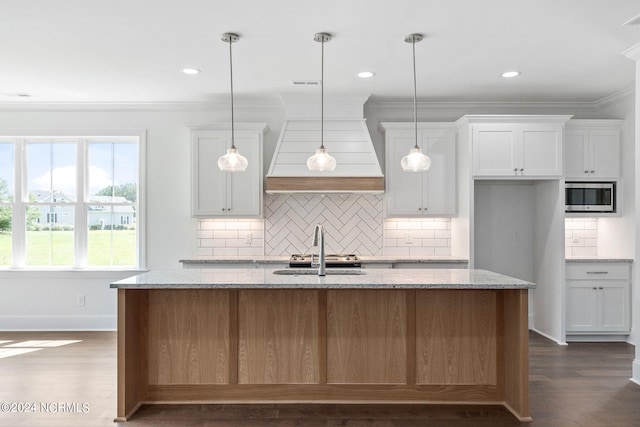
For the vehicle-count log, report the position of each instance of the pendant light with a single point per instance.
(321, 160)
(415, 161)
(232, 161)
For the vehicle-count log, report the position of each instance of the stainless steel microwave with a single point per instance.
(590, 197)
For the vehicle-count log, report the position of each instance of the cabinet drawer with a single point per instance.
(598, 271)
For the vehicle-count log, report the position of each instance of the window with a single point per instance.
(71, 201)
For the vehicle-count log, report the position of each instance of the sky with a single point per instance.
(52, 166)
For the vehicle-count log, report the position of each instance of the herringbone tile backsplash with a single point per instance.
(353, 223)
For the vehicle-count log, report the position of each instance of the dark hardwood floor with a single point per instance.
(583, 384)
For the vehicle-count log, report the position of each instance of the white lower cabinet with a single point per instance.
(598, 299)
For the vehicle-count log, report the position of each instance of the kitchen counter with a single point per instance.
(264, 278)
(246, 335)
(598, 259)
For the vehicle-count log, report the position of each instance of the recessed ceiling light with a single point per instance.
(366, 74)
(510, 74)
(191, 71)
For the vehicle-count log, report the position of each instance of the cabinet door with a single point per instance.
(614, 306)
(439, 183)
(494, 151)
(581, 306)
(576, 153)
(208, 184)
(542, 151)
(404, 189)
(604, 154)
(244, 197)
(216, 193)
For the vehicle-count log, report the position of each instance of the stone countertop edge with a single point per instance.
(263, 278)
(363, 260)
(603, 260)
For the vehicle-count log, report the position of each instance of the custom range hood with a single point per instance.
(346, 137)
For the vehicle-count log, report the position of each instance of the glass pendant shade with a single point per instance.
(321, 161)
(415, 161)
(232, 161)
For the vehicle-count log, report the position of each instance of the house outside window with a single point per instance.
(71, 201)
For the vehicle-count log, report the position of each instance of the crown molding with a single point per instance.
(462, 108)
(633, 52)
(616, 97)
(246, 105)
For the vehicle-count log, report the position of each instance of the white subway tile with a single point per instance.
(251, 251)
(585, 251)
(205, 234)
(390, 243)
(225, 251)
(397, 251)
(422, 251)
(390, 225)
(225, 234)
(443, 250)
(442, 234)
(204, 251)
(435, 242)
(235, 243)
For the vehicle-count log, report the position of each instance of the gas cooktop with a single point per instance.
(332, 260)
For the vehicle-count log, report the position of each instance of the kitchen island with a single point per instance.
(252, 336)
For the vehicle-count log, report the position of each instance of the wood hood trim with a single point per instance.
(329, 184)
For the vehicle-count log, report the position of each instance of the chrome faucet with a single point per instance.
(322, 264)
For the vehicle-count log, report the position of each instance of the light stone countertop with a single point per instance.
(264, 278)
(598, 259)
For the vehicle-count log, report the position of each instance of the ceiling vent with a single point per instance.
(305, 82)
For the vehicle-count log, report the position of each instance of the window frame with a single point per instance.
(21, 194)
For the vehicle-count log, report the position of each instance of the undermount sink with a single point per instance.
(314, 271)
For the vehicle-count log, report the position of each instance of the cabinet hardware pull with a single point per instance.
(586, 171)
(595, 288)
(593, 171)
(597, 272)
(600, 287)
(515, 170)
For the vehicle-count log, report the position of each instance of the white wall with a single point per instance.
(48, 300)
(171, 233)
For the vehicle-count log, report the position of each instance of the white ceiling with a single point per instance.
(133, 50)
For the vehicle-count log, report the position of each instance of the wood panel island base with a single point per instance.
(250, 336)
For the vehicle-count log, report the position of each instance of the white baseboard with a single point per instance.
(58, 323)
(554, 339)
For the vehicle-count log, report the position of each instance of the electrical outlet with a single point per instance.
(80, 300)
(247, 238)
(408, 239)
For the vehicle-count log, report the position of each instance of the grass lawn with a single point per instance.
(56, 248)
(5, 249)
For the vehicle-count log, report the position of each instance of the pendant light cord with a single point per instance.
(233, 136)
(322, 95)
(415, 102)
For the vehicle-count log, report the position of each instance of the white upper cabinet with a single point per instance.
(216, 193)
(592, 149)
(420, 193)
(515, 146)
(517, 150)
